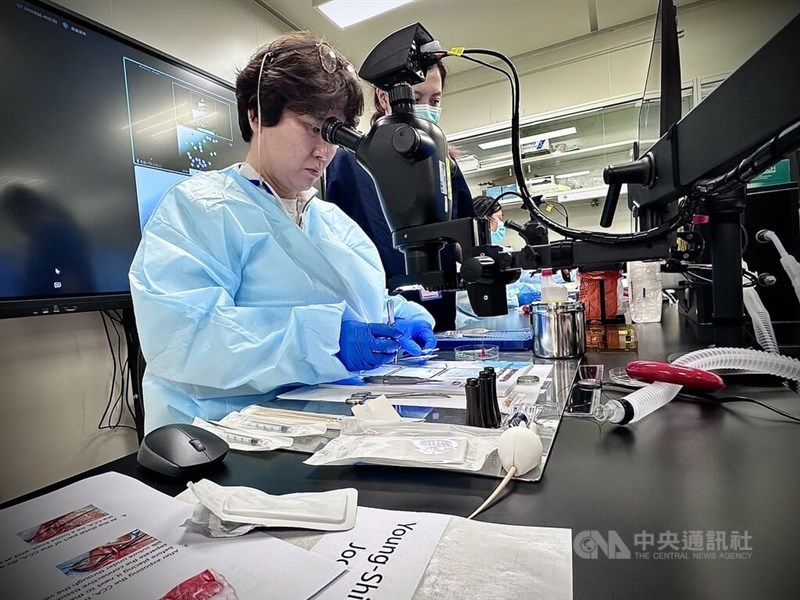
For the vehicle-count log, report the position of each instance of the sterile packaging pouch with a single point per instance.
(377, 409)
(210, 524)
(427, 445)
(246, 440)
(292, 417)
(324, 511)
(277, 426)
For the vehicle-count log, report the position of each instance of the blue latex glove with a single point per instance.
(417, 336)
(365, 346)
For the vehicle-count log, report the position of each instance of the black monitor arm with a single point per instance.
(407, 158)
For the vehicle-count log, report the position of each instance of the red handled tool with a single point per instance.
(688, 377)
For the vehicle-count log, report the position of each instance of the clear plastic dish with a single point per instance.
(477, 352)
(618, 375)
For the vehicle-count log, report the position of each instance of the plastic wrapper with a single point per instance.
(245, 440)
(427, 445)
(593, 284)
(249, 422)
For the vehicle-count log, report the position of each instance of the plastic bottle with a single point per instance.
(552, 291)
(644, 291)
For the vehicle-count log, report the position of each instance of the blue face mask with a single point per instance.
(497, 236)
(426, 111)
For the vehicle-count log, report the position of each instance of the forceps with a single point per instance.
(396, 379)
(361, 397)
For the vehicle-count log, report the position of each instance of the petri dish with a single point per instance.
(618, 375)
(477, 352)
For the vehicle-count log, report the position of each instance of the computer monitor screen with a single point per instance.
(95, 128)
(661, 99)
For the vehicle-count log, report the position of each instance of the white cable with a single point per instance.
(494, 494)
(258, 114)
(789, 262)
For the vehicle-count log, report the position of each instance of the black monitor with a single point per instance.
(95, 127)
(660, 106)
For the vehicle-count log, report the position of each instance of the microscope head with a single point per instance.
(402, 57)
(405, 155)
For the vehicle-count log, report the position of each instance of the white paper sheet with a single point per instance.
(111, 536)
(386, 554)
(473, 560)
(478, 560)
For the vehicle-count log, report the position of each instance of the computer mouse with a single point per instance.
(180, 449)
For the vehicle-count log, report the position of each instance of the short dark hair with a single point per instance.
(485, 206)
(378, 109)
(295, 80)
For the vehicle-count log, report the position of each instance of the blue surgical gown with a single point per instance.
(233, 298)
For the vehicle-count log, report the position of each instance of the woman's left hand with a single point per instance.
(417, 336)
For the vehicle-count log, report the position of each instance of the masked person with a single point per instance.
(528, 287)
(243, 281)
(351, 188)
(487, 207)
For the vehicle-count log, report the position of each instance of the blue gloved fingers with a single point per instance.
(365, 346)
(410, 346)
(382, 330)
(428, 339)
(356, 343)
(384, 346)
(419, 332)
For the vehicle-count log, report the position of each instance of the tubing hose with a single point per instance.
(762, 324)
(789, 262)
(637, 405)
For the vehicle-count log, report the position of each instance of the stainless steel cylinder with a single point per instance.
(559, 329)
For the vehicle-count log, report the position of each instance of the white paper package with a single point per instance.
(245, 440)
(275, 426)
(431, 445)
(334, 510)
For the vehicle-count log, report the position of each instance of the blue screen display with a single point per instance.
(95, 129)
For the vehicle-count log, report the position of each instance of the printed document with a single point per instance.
(113, 537)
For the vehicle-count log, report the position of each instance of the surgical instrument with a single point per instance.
(397, 379)
(390, 321)
(361, 397)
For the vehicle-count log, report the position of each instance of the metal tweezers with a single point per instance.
(396, 379)
(361, 397)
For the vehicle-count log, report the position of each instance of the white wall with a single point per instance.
(55, 371)
(719, 36)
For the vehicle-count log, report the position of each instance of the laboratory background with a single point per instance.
(589, 103)
(574, 58)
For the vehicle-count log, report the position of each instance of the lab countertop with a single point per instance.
(688, 476)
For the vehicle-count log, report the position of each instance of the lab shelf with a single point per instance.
(579, 144)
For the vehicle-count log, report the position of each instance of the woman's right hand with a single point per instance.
(366, 346)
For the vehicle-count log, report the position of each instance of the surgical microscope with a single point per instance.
(704, 159)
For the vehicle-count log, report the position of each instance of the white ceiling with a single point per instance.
(512, 27)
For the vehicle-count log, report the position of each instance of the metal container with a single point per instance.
(559, 329)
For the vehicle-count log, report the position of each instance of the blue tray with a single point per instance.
(520, 339)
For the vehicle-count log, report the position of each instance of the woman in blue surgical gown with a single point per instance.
(243, 282)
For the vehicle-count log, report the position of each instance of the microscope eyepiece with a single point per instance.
(335, 132)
